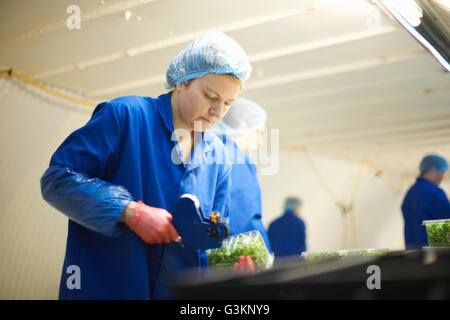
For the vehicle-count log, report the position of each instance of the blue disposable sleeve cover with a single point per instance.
(90, 202)
(77, 180)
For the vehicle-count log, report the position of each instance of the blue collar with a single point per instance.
(289, 212)
(426, 181)
(203, 143)
(165, 110)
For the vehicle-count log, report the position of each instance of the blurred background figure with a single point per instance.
(425, 201)
(241, 131)
(287, 234)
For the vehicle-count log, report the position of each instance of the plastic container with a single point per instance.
(244, 244)
(438, 232)
(319, 255)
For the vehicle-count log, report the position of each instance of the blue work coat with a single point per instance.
(246, 201)
(127, 151)
(287, 235)
(423, 201)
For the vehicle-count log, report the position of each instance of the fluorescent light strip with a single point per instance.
(416, 34)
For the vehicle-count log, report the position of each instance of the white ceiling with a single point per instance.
(337, 77)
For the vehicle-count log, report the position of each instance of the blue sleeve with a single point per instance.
(75, 182)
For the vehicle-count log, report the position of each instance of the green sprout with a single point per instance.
(438, 233)
(315, 256)
(244, 244)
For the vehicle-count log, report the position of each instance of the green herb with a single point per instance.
(314, 256)
(438, 234)
(244, 244)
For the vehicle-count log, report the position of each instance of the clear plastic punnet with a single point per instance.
(312, 256)
(438, 232)
(244, 244)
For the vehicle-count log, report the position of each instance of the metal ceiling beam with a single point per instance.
(168, 42)
(366, 131)
(297, 112)
(277, 53)
(103, 11)
(279, 100)
(359, 122)
(334, 70)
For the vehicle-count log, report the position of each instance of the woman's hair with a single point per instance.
(229, 76)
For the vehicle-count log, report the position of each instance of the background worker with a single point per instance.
(241, 130)
(287, 234)
(425, 200)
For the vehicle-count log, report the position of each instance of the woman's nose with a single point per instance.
(216, 110)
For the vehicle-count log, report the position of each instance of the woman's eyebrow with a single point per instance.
(211, 90)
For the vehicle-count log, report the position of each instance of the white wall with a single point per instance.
(32, 234)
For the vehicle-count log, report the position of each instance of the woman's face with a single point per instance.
(203, 101)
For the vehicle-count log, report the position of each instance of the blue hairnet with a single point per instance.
(243, 117)
(433, 164)
(292, 203)
(213, 52)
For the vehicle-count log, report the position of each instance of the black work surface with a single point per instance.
(412, 274)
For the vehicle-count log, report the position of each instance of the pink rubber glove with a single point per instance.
(245, 265)
(152, 225)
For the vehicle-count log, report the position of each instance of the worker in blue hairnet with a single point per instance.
(241, 130)
(119, 176)
(287, 234)
(425, 201)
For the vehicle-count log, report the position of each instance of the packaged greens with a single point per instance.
(319, 255)
(438, 232)
(244, 244)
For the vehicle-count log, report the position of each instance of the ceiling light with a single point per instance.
(409, 10)
(127, 14)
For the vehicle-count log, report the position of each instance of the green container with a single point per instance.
(313, 256)
(438, 232)
(244, 244)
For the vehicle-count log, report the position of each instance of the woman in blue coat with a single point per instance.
(425, 201)
(119, 176)
(241, 132)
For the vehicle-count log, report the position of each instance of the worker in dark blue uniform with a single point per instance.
(425, 201)
(241, 131)
(287, 234)
(119, 177)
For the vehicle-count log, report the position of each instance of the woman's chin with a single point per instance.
(201, 125)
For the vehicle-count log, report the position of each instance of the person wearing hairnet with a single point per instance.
(241, 130)
(425, 200)
(287, 234)
(118, 177)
